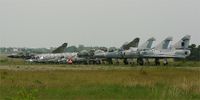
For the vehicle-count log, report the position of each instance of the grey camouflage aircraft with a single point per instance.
(60, 49)
(56, 56)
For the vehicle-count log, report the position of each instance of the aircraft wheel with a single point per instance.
(110, 61)
(140, 61)
(148, 62)
(98, 62)
(125, 61)
(117, 61)
(157, 62)
(165, 62)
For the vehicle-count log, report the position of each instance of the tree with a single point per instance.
(195, 53)
(72, 49)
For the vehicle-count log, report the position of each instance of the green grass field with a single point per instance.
(22, 81)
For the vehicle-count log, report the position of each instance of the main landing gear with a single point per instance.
(140, 61)
(126, 61)
(110, 61)
(157, 62)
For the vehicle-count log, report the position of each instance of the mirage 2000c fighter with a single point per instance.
(60, 49)
(57, 55)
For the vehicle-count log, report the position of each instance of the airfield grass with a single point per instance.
(150, 83)
(98, 82)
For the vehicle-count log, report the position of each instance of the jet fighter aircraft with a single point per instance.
(60, 49)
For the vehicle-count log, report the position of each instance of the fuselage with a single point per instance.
(52, 57)
(168, 53)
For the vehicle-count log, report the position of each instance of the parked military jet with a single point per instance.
(60, 49)
(22, 55)
(52, 57)
(56, 56)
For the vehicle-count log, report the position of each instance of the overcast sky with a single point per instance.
(49, 23)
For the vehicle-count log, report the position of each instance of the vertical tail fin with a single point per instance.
(147, 44)
(133, 43)
(60, 49)
(183, 43)
(164, 44)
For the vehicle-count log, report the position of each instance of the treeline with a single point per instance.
(82, 47)
(10, 50)
(195, 53)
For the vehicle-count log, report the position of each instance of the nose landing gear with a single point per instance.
(140, 61)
